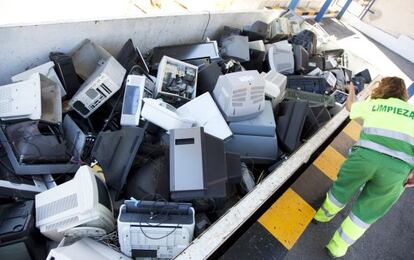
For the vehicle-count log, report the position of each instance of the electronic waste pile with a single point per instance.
(135, 155)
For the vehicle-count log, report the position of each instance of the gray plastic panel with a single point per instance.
(262, 125)
(256, 149)
(186, 159)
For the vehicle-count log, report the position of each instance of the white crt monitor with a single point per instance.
(83, 201)
(281, 57)
(86, 248)
(240, 95)
(275, 85)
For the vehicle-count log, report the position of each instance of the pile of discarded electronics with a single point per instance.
(135, 155)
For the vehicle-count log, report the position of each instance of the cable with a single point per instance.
(111, 115)
(208, 22)
(162, 221)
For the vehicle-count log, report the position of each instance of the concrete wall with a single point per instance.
(22, 47)
(394, 17)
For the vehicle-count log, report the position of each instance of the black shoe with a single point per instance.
(314, 221)
(330, 254)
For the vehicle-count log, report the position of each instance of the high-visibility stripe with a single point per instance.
(389, 133)
(385, 150)
(327, 212)
(357, 221)
(352, 230)
(334, 200)
(345, 237)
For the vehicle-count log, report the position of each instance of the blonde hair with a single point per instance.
(390, 87)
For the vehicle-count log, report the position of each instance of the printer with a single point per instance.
(155, 229)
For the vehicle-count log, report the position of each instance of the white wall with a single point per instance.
(395, 17)
(22, 47)
(402, 45)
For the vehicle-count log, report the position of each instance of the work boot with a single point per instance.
(337, 247)
(322, 216)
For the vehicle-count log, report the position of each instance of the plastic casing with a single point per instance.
(72, 204)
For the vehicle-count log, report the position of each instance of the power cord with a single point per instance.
(208, 23)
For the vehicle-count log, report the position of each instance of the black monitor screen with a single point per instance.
(103, 194)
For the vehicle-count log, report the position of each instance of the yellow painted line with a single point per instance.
(287, 218)
(329, 162)
(353, 130)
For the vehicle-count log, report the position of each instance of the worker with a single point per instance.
(380, 163)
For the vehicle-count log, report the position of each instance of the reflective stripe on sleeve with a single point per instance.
(385, 150)
(389, 133)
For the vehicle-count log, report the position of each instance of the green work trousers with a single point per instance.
(381, 176)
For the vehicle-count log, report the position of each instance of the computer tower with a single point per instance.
(86, 57)
(333, 58)
(197, 165)
(176, 80)
(102, 84)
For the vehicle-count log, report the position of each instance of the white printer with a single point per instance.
(155, 229)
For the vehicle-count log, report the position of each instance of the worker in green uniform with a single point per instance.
(381, 163)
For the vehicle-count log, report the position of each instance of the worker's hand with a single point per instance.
(410, 181)
(349, 87)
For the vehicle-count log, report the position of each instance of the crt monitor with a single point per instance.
(240, 95)
(81, 203)
(301, 58)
